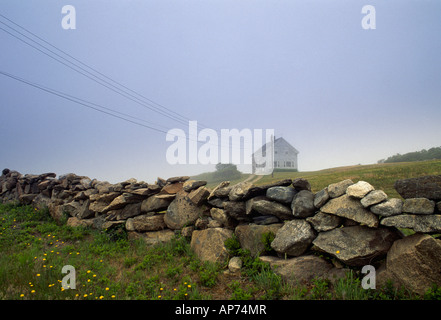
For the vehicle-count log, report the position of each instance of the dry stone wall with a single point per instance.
(352, 223)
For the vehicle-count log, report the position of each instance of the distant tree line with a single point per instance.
(226, 171)
(432, 153)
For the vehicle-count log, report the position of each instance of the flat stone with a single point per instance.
(359, 189)
(324, 222)
(390, 207)
(418, 206)
(153, 237)
(351, 208)
(373, 197)
(338, 189)
(418, 223)
(145, 223)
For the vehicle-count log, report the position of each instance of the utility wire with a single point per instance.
(149, 104)
(79, 101)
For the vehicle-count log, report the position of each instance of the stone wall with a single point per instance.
(350, 224)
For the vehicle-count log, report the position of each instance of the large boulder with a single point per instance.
(422, 187)
(294, 238)
(356, 245)
(418, 223)
(182, 212)
(415, 262)
(250, 236)
(351, 208)
(209, 244)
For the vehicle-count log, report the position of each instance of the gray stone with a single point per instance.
(223, 184)
(236, 210)
(421, 187)
(418, 206)
(338, 189)
(373, 197)
(351, 208)
(190, 185)
(357, 245)
(324, 222)
(266, 207)
(221, 216)
(240, 191)
(145, 223)
(177, 179)
(321, 197)
(122, 200)
(250, 236)
(281, 194)
(155, 203)
(294, 238)
(265, 220)
(390, 207)
(182, 212)
(418, 223)
(300, 184)
(209, 245)
(302, 205)
(199, 196)
(415, 262)
(359, 189)
(129, 211)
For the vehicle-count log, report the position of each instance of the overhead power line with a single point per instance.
(83, 102)
(94, 75)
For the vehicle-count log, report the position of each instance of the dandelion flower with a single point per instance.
(189, 286)
(337, 252)
(38, 274)
(113, 296)
(88, 271)
(22, 295)
(159, 297)
(94, 275)
(88, 280)
(161, 289)
(33, 291)
(107, 289)
(85, 295)
(101, 297)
